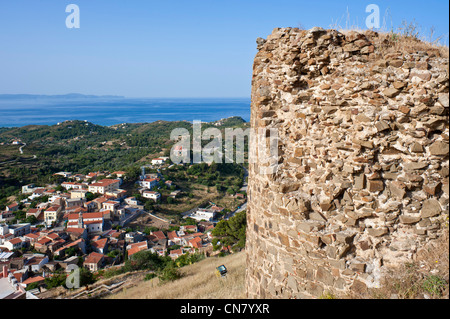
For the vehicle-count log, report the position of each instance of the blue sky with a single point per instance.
(146, 48)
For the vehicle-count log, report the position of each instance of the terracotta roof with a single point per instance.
(92, 215)
(75, 230)
(101, 243)
(15, 240)
(89, 222)
(43, 241)
(93, 258)
(159, 234)
(110, 202)
(172, 234)
(53, 208)
(176, 252)
(31, 235)
(53, 236)
(137, 247)
(33, 279)
(196, 242)
(105, 182)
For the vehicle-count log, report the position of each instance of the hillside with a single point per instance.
(199, 282)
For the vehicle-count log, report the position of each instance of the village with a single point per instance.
(85, 221)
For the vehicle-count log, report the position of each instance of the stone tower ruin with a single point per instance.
(361, 183)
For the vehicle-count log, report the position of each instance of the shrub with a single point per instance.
(169, 273)
(434, 285)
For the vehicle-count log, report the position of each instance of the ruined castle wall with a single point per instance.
(362, 177)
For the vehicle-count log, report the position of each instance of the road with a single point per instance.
(21, 148)
(240, 209)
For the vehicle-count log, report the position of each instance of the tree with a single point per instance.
(230, 232)
(31, 219)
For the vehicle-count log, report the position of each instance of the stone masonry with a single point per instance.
(362, 181)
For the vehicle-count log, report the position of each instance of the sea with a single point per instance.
(20, 110)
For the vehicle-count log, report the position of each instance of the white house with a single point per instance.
(151, 195)
(19, 229)
(72, 185)
(12, 244)
(158, 161)
(149, 183)
(105, 185)
(203, 214)
(27, 189)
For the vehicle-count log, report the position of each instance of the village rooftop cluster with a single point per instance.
(67, 226)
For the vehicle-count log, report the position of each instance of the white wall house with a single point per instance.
(203, 214)
(151, 195)
(149, 183)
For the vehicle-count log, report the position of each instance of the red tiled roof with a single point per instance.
(31, 235)
(33, 279)
(53, 208)
(89, 222)
(43, 241)
(176, 252)
(137, 247)
(53, 236)
(101, 243)
(93, 258)
(196, 242)
(75, 230)
(172, 234)
(159, 234)
(15, 241)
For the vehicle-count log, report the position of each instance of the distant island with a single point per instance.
(61, 96)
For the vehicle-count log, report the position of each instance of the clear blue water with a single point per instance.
(109, 111)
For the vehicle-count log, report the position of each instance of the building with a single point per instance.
(149, 183)
(6, 216)
(74, 202)
(16, 230)
(72, 185)
(151, 195)
(203, 214)
(136, 247)
(78, 193)
(9, 287)
(28, 189)
(36, 212)
(94, 261)
(13, 244)
(158, 161)
(100, 245)
(51, 214)
(103, 186)
(14, 207)
(111, 205)
(92, 222)
(119, 174)
(63, 174)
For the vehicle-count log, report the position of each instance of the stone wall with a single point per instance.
(362, 178)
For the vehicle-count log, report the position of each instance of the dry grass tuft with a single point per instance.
(426, 277)
(199, 281)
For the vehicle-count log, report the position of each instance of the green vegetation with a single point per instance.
(434, 285)
(230, 232)
(82, 147)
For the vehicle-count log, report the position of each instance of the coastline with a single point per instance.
(113, 111)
